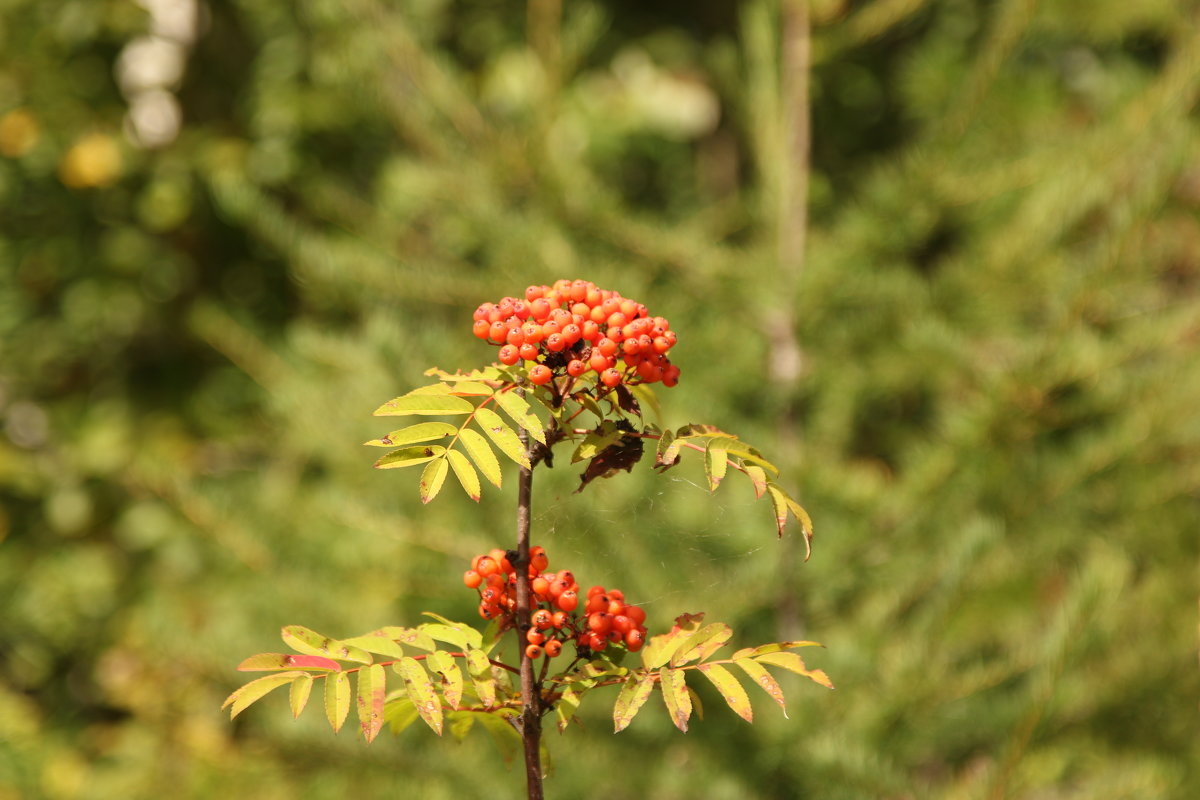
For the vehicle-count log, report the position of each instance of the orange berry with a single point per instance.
(487, 566)
(533, 651)
(568, 600)
(610, 377)
(482, 328)
(600, 622)
(534, 636)
(540, 586)
(575, 368)
(553, 648)
(540, 374)
(599, 362)
(595, 590)
(635, 639)
(489, 610)
(472, 579)
(538, 559)
(559, 618)
(634, 613)
(509, 354)
(529, 352)
(498, 332)
(542, 619)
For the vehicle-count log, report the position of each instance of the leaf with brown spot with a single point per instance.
(619, 456)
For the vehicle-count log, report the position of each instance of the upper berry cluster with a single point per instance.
(573, 328)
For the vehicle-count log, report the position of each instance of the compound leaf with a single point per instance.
(731, 690)
(432, 478)
(481, 453)
(372, 692)
(630, 700)
(502, 435)
(337, 699)
(420, 690)
(298, 696)
(466, 474)
(423, 432)
(242, 698)
(676, 697)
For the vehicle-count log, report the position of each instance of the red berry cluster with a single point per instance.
(575, 328)
(605, 617)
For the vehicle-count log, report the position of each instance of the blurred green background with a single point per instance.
(963, 315)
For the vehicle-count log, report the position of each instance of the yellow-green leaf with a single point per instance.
(306, 641)
(421, 403)
(337, 699)
(565, 708)
(758, 478)
(242, 698)
(443, 664)
(676, 697)
(270, 662)
(518, 408)
(399, 713)
(298, 696)
(470, 389)
(715, 464)
(661, 458)
(630, 700)
(455, 633)
(410, 456)
(413, 637)
(773, 647)
(731, 690)
(372, 692)
(420, 690)
(466, 474)
(793, 662)
(481, 453)
(480, 670)
(422, 432)
(702, 644)
(432, 478)
(502, 435)
(763, 679)
(375, 643)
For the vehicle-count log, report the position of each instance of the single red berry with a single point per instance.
(542, 619)
(559, 618)
(533, 651)
(634, 613)
(568, 600)
(553, 648)
(635, 639)
(575, 368)
(600, 622)
(534, 636)
(610, 377)
(538, 559)
(540, 374)
(498, 332)
(472, 579)
(487, 566)
(509, 354)
(482, 328)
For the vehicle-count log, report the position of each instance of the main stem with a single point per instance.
(531, 712)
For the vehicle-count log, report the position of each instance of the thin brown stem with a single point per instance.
(531, 716)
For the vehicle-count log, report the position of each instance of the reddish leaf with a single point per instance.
(268, 662)
(372, 692)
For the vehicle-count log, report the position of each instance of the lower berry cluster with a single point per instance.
(558, 615)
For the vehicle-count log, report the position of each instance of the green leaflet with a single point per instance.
(758, 478)
(665, 441)
(481, 453)
(507, 740)
(337, 699)
(773, 647)
(306, 641)
(565, 708)
(423, 402)
(701, 644)
(420, 690)
(432, 478)
(630, 700)
(298, 696)
(793, 662)
(399, 713)
(372, 691)
(456, 633)
(242, 698)
(422, 432)
(376, 643)
(443, 664)
(763, 679)
(410, 456)
(466, 474)
(731, 690)
(715, 463)
(413, 637)
(676, 697)
(518, 408)
(480, 670)
(502, 435)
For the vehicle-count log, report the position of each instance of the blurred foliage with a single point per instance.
(993, 425)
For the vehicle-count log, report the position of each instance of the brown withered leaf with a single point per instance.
(621, 455)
